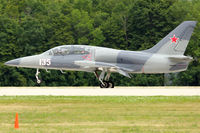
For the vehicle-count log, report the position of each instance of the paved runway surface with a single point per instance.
(96, 91)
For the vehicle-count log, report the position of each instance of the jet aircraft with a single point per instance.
(167, 56)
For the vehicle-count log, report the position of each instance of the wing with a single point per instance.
(101, 65)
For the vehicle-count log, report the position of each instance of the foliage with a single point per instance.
(29, 27)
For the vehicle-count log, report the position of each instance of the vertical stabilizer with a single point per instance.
(175, 43)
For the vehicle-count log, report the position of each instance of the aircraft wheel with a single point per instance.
(105, 85)
(111, 84)
(39, 81)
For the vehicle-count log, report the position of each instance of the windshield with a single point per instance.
(68, 50)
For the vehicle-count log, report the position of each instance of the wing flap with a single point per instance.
(124, 73)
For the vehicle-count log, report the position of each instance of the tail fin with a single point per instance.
(175, 43)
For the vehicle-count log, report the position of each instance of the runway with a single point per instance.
(96, 91)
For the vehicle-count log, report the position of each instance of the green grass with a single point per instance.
(100, 114)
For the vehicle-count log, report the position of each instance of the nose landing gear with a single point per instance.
(36, 76)
(104, 82)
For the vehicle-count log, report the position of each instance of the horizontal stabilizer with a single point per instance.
(180, 59)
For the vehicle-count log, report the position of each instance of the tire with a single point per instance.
(39, 81)
(104, 86)
(111, 84)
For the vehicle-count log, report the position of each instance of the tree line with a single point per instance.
(29, 27)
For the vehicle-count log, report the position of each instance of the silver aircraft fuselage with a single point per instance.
(133, 61)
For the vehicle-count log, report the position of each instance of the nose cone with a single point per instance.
(14, 62)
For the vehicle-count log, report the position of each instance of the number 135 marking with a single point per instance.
(45, 62)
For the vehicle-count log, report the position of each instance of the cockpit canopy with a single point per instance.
(69, 50)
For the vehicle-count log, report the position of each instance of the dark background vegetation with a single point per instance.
(29, 27)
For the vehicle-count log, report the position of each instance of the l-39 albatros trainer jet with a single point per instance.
(166, 56)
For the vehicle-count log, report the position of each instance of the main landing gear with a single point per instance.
(104, 82)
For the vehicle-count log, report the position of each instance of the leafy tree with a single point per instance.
(30, 27)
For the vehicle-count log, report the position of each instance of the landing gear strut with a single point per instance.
(36, 75)
(104, 82)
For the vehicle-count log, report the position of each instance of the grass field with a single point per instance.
(100, 114)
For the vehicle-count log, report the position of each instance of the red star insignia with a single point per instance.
(174, 39)
(87, 57)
